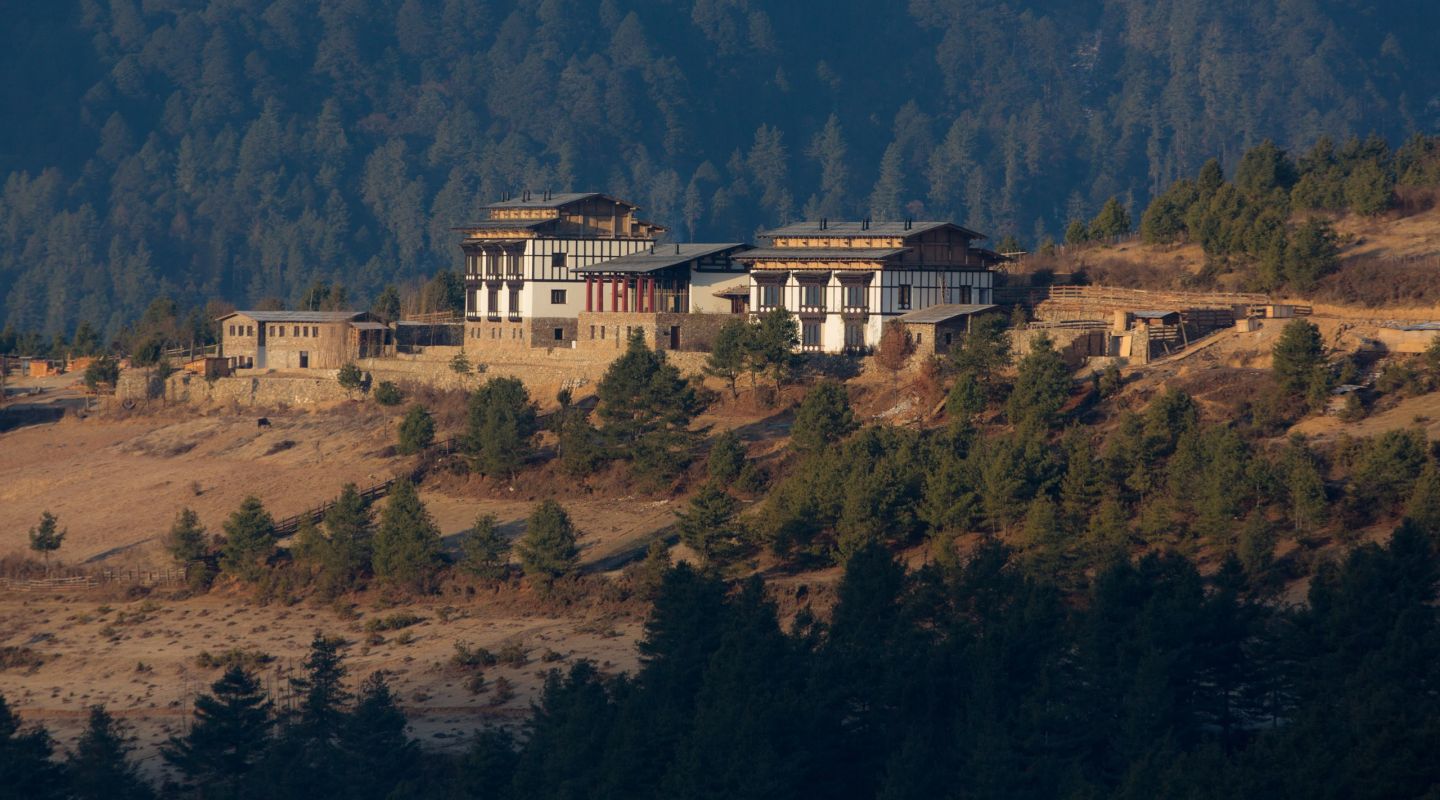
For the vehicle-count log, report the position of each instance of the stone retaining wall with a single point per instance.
(543, 373)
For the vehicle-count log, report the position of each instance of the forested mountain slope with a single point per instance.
(245, 149)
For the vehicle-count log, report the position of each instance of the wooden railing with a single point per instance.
(90, 579)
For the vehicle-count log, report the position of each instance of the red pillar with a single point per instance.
(652, 296)
(588, 296)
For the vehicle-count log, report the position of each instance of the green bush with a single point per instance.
(388, 394)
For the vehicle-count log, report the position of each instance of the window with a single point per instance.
(557, 260)
(948, 337)
(514, 307)
(855, 296)
(812, 295)
(559, 334)
(592, 331)
(810, 334)
(902, 295)
(295, 331)
(492, 301)
(769, 295)
(557, 297)
(854, 334)
(249, 330)
(602, 331)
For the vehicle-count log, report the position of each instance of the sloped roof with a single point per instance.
(555, 200)
(505, 224)
(852, 229)
(296, 316)
(944, 312)
(659, 257)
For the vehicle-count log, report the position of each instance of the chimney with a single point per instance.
(909, 223)
(677, 248)
(824, 223)
(652, 249)
(865, 224)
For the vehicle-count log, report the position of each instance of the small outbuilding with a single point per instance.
(935, 329)
(301, 339)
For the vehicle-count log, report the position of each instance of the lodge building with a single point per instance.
(301, 339)
(676, 295)
(522, 288)
(845, 280)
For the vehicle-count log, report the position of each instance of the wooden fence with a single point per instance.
(289, 525)
(1146, 299)
(90, 579)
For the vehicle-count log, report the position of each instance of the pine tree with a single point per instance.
(729, 352)
(1423, 508)
(1306, 492)
(187, 541)
(647, 406)
(1112, 221)
(417, 430)
(25, 766)
(377, 756)
(773, 343)
(547, 550)
(321, 692)
(500, 426)
(249, 539)
(709, 526)
(100, 765)
(407, 543)
(484, 551)
(229, 737)
(1041, 386)
(387, 304)
(823, 418)
(1044, 541)
(727, 458)
(1297, 354)
(47, 538)
(346, 554)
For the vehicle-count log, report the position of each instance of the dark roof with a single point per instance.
(369, 326)
(661, 256)
(820, 253)
(855, 228)
(505, 224)
(555, 200)
(1153, 313)
(296, 316)
(943, 312)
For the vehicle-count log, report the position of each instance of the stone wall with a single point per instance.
(263, 390)
(609, 330)
(542, 371)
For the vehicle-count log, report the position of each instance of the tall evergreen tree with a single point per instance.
(249, 539)
(100, 767)
(229, 737)
(407, 543)
(500, 427)
(547, 550)
(25, 765)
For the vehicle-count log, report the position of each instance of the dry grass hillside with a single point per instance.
(1391, 262)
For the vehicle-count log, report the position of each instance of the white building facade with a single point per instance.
(845, 280)
(521, 284)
